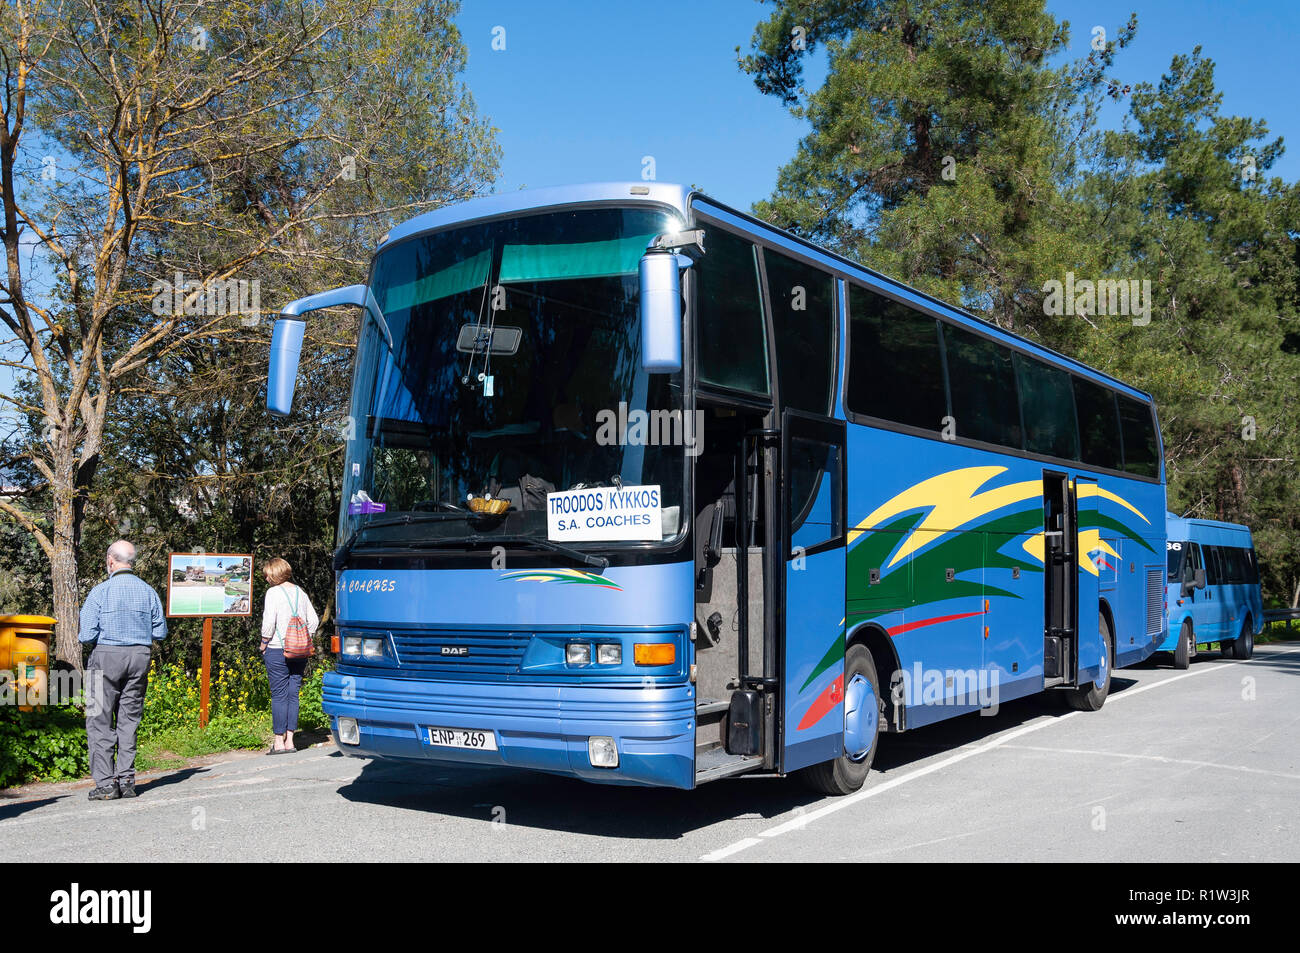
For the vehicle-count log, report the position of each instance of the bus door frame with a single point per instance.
(1060, 580)
(817, 577)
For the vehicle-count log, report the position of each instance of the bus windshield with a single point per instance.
(514, 363)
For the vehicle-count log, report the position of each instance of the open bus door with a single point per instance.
(812, 523)
(1060, 580)
(1073, 650)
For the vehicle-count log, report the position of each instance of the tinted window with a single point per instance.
(1174, 557)
(1098, 424)
(1236, 566)
(1252, 567)
(803, 312)
(815, 516)
(895, 371)
(1047, 408)
(982, 388)
(1214, 571)
(1191, 563)
(731, 335)
(1137, 429)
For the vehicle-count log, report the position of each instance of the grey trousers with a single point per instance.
(116, 676)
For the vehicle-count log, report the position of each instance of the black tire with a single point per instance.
(843, 775)
(1183, 651)
(1092, 696)
(1244, 646)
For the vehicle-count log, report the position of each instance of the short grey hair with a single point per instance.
(122, 552)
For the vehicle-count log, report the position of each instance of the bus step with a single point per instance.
(709, 707)
(715, 763)
(1053, 682)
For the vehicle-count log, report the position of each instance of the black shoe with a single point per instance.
(106, 793)
(128, 789)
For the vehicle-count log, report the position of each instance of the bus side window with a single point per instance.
(803, 313)
(1214, 571)
(982, 388)
(731, 333)
(1137, 428)
(1098, 424)
(1047, 407)
(895, 367)
(1191, 564)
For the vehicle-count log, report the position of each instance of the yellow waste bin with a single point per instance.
(25, 655)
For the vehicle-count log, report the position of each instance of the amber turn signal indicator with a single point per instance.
(654, 653)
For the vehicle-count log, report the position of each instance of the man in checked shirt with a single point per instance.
(122, 618)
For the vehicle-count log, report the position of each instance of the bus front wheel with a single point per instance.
(1183, 651)
(847, 773)
(1091, 697)
(1244, 646)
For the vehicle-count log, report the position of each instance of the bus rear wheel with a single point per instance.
(1092, 697)
(1244, 646)
(848, 772)
(1183, 652)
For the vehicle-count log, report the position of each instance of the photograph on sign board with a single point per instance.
(202, 584)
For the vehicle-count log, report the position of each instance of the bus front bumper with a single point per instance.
(535, 726)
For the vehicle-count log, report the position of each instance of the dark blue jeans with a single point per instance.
(286, 681)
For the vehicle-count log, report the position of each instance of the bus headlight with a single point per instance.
(373, 648)
(349, 733)
(602, 752)
(609, 654)
(351, 645)
(577, 653)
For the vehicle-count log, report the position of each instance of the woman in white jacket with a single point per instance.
(284, 600)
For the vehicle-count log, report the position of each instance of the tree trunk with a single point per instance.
(63, 572)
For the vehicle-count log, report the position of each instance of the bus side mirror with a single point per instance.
(286, 342)
(282, 372)
(661, 312)
(1200, 579)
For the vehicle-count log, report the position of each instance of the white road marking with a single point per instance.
(1159, 758)
(805, 818)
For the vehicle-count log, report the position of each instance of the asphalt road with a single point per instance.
(1201, 765)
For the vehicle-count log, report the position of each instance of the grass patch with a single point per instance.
(170, 748)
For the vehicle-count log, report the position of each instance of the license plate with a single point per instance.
(463, 738)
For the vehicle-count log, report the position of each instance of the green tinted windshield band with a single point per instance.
(618, 256)
(452, 280)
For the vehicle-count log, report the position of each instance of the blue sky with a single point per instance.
(583, 91)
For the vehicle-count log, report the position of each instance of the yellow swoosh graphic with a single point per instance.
(1092, 489)
(1089, 541)
(953, 502)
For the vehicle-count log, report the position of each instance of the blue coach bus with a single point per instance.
(642, 490)
(1213, 589)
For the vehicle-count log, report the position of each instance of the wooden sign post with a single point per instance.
(207, 672)
(208, 585)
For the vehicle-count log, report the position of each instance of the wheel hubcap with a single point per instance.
(861, 713)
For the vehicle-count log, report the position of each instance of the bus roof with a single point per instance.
(684, 200)
(1198, 530)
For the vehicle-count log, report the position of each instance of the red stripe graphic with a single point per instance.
(827, 700)
(909, 626)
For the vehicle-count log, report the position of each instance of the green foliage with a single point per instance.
(311, 713)
(46, 744)
(172, 701)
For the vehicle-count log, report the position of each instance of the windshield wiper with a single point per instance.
(341, 554)
(599, 563)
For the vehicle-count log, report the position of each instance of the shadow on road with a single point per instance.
(9, 811)
(571, 806)
(174, 777)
